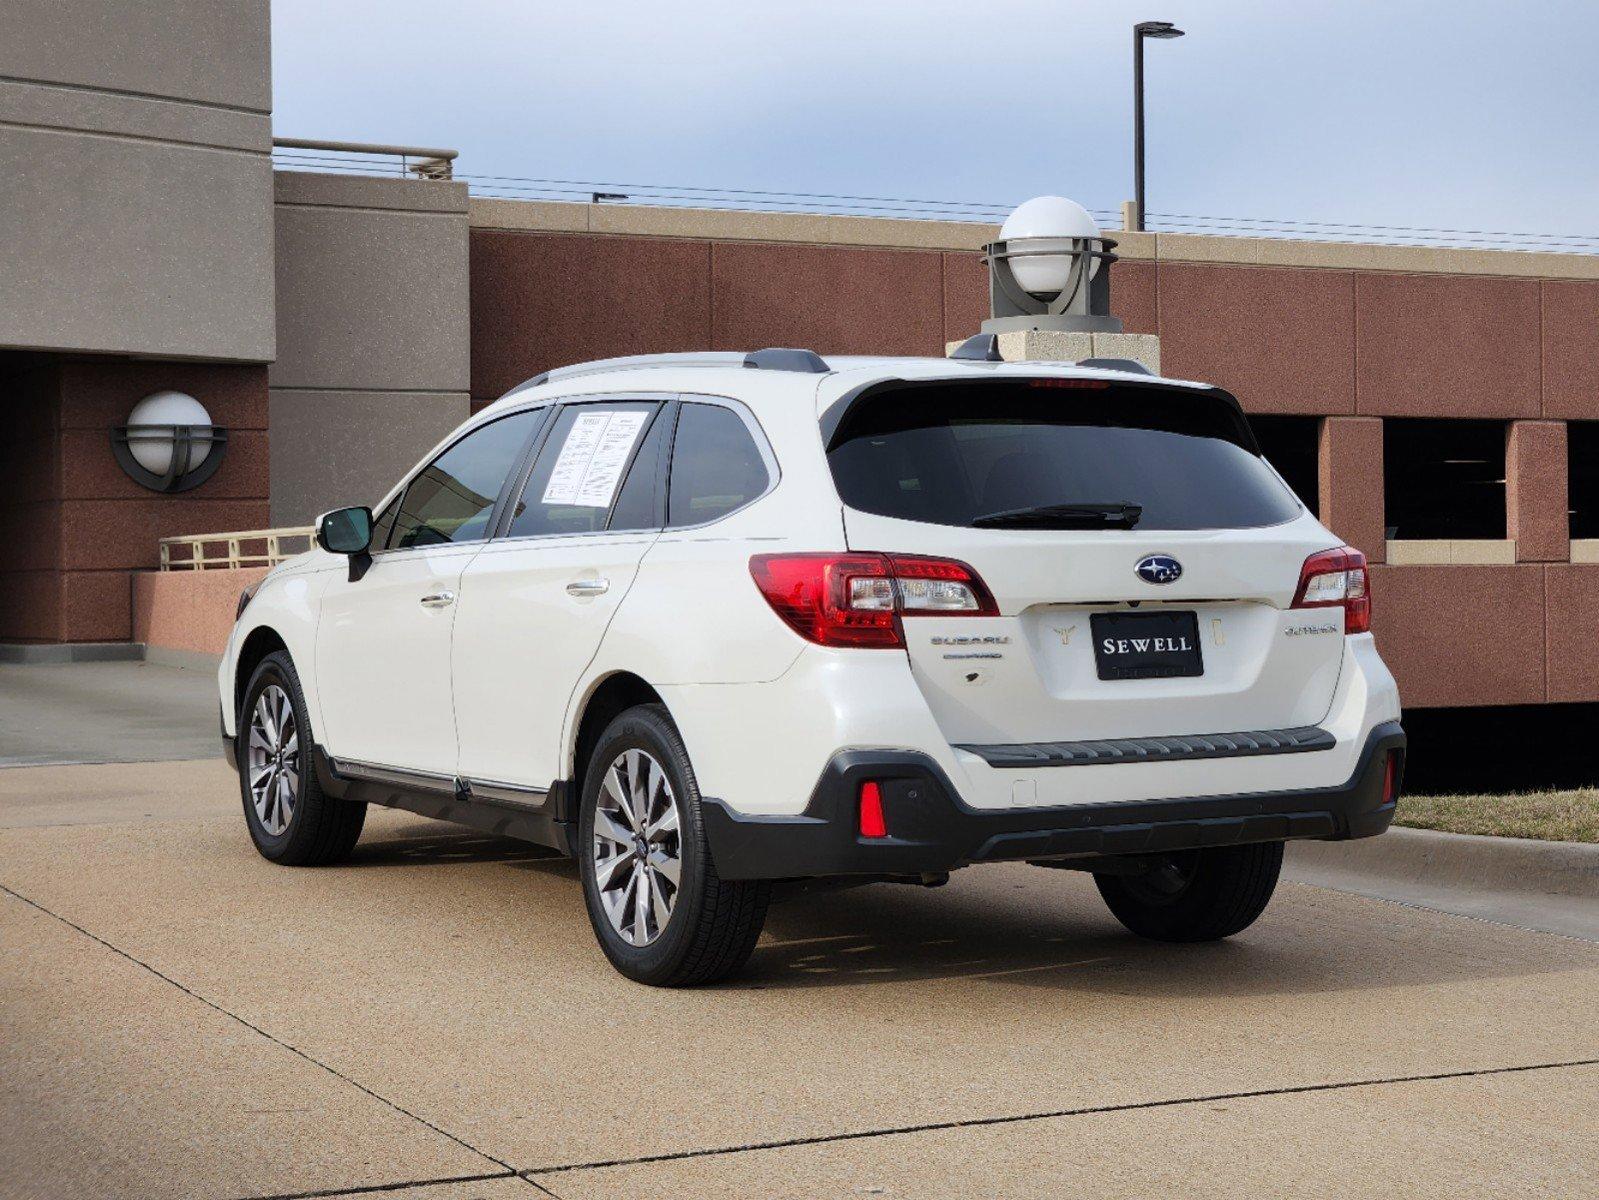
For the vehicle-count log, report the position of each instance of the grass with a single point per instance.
(1555, 816)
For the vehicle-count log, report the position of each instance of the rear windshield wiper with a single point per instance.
(1086, 515)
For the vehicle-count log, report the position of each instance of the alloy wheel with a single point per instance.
(273, 759)
(637, 847)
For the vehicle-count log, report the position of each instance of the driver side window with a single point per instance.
(452, 498)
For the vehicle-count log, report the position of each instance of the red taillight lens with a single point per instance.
(873, 824)
(858, 599)
(926, 586)
(832, 599)
(1337, 579)
(1390, 778)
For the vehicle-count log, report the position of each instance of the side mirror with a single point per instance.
(345, 530)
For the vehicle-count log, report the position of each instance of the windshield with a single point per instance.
(1055, 454)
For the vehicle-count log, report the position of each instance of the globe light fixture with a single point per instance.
(1045, 271)
(169, 443)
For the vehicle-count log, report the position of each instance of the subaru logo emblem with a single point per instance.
(1159, 568)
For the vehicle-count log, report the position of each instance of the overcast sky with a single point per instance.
(1349, 112)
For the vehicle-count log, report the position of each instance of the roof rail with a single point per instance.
(805, 361)
(1130, 365)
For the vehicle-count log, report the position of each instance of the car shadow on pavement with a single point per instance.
(430, 845)
(1033, 928)
(892, 933)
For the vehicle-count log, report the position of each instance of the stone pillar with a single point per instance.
(1535, 491)
(1042, 345)
(373, 335)
(1351, 482)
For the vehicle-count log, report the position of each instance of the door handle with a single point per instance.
(588, 587)
(438, 600)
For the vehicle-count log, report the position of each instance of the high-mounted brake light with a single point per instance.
(1054, 381)
(859, 599)
(1337, 579)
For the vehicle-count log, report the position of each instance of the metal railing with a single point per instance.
(229, 551)
(367, 157)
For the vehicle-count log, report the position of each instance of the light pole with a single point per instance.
(1144, 29)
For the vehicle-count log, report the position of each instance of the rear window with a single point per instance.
(956, 454)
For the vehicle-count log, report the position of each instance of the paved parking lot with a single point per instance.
(183, 1019)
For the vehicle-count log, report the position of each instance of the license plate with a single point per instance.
(1157, 645)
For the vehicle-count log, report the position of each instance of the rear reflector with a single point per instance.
(1390, 778)
(872, 823)
(858, 599)
(1337, 579)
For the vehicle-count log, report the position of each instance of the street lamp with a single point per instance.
(1144, 29)
(1045, 271)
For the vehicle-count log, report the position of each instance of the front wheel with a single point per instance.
(1196, 895)
(659, 910)
(292, 821)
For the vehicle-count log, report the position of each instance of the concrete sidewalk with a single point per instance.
(184, 1019)
(96, 712)
(1552, 887)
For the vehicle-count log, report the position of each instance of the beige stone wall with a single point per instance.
(135, 178)
(373, 336)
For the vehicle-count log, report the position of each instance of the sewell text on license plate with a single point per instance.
(1153, 645)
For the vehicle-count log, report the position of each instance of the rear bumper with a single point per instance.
(933, 831)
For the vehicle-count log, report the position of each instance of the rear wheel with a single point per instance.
(1196, 895)
(292, 821)
(659, 910)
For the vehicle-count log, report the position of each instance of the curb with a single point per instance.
(1548, 886)
(1463, 860)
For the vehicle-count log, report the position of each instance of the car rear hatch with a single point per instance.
(1142, 557)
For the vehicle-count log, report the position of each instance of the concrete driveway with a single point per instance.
(181, 1018)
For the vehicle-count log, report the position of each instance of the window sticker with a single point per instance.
(589, 468)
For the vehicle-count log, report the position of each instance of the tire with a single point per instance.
(710, 925)
(298, 825)
(1196, 895)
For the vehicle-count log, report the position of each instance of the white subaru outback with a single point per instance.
(712, 622)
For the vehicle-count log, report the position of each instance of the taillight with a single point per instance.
(1337, 579)
(1390, 778)
(939, 586)
(858, 599)
(873, 824)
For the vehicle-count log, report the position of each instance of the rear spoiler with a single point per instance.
(834, 418)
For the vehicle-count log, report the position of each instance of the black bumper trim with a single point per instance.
(1305, 739)
(932, 830)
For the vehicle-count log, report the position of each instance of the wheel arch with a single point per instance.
(260, 642)
(606, 699)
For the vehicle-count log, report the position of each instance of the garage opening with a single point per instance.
(1461, 751)
(1443, 479)
(1582, 465)
(1291, 444)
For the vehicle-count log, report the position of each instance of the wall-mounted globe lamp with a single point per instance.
(1047, 271)
(169, 443)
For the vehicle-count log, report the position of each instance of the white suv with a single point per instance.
(710, 622)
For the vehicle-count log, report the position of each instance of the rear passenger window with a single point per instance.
(638, 504)
(716, 466)
(580, 470)
(452, 498)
